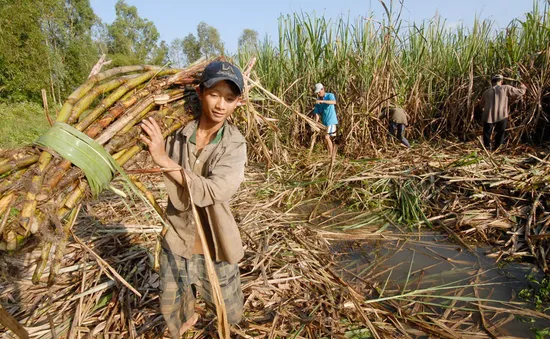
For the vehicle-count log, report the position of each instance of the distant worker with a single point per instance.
(397, 118)
(324, 107)
(495, 110)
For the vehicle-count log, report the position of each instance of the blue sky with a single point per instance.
(177, 18)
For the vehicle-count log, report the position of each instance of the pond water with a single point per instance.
(430, 261)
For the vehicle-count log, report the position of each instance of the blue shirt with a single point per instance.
(326, 111)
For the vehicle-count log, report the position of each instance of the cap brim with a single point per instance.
(212, 81)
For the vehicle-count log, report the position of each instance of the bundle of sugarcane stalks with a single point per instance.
(40, 190)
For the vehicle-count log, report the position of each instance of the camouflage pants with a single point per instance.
(180, 278)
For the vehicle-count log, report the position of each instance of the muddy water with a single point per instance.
(430, 260)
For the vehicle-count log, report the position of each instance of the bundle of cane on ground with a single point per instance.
(96, 130)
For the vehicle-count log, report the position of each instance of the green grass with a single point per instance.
(21, 123)
(538, 293)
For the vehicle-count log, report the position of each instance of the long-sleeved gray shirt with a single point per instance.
(220, 176)
(495, 102)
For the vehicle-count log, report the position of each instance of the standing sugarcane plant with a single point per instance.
(436, 72)
(96, 131)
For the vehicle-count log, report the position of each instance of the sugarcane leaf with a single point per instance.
(78, 155)
(83, 152)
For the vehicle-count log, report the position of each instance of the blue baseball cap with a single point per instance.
(222, 70)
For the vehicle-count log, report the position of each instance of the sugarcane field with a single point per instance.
(349, 175)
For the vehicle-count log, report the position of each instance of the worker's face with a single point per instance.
(321, 93)
(218, 101)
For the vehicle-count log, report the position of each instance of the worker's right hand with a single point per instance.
(155, 142)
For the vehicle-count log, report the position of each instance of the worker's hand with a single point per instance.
(522, 85)
(320, 101)
(155, 142)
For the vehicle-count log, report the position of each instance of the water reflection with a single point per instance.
(428, 273)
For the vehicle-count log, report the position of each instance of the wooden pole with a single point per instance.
(221, 312)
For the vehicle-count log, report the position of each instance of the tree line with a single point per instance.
(53, 44)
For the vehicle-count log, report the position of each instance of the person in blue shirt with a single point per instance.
(325, 108)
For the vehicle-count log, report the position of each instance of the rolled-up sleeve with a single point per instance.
(176, 192)
(223, 180)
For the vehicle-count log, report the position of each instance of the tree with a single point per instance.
(248, 39)
(132, 39)
(191, 48)
(22, 49)
(67, 25)
(44, 44)
(207, 43)
(161, 55)
(209, 40)
(176, 54)
(100, 36)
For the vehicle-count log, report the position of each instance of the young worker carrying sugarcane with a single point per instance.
(208, 156)
(325, 108)
(495, 110)
(397, 121)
